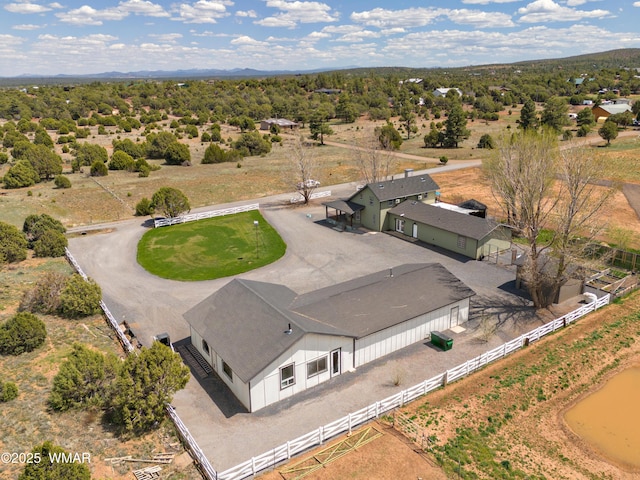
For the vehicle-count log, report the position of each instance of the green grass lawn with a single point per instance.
(212, 248)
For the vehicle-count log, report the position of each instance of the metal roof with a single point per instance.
(245, 322)
(344, 206)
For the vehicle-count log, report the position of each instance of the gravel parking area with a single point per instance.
(316, 256)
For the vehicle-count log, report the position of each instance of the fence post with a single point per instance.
(288, 449)
(321, 435)
(377, 409)
(445, 378)
(349, 423)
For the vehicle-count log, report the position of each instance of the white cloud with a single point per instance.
(247, 13)
(410, 17)
(166, 37)
(246, 40)
(360, 36)
(297, 12)
(636, 4)
(542, 11)
(480, 19)
(87, 15)
(55, 5)
(487, 2)
(27, 7)
(143, 7)
(27, 27)
(203, 11)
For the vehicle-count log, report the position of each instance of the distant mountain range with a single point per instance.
(627, 57)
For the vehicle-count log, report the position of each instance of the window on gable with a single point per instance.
(227, 370)
(370, 200)
(390, 203)
(462, 242)
(287, 376)
(317, 366)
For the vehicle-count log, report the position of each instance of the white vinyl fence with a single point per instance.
(298, 197)
(192, 217)
(346, 424)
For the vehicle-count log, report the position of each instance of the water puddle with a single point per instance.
(609, 419)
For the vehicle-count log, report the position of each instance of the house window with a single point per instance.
(370, 200)
(205, 346)
(316, 367)
(390, 203)
(287, 376)
(462, 242)
(227, 370)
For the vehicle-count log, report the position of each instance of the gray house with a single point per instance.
(268, 343)
(469, 235)
(368, 207)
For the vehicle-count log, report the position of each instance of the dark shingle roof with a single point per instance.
(401, 187)
(344, 206)
(459, 223)
(245, 321)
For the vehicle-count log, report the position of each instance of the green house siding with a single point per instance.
(467, 246)
(374, 215)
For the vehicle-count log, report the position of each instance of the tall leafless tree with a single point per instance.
(303, 168)
(374, 162)
(540, 186)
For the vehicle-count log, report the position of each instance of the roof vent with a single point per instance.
(381, 186)
(288, 331)
(422, 179)
(391, 272)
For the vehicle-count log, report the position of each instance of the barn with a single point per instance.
(267, 343)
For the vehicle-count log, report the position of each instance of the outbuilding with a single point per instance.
(268, 343)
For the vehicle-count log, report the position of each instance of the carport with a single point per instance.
(345, 212)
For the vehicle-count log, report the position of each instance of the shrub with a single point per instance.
(251, 144)
(122, 161)
(51, 244)
(50, 469)
(8, 391)
(99, 169)
(80, 297)
(44, 297)
(36, 226)
(144, 171)
(583, 130)
(21, 175)
(22, 333)
(83, 379)
(177, 154)
(444, 159)
(143, 207)
(13, 244)
(62, 182)
(486, 141)
(214, 154)
(4, 158)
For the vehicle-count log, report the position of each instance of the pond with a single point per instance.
(609, 419)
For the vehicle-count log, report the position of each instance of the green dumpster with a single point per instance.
(441, 340)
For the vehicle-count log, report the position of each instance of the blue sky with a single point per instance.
(88, 36)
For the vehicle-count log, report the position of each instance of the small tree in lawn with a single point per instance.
(170, 202)
(80, 297)
(177, 154)
(145, 384)
(608, 131)
(143, 207)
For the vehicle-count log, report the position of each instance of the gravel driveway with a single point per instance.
(316, 256)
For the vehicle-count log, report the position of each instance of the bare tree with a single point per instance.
(521, 174)
(539, 187)
(304, 166)
(374, 162)
(581, 200)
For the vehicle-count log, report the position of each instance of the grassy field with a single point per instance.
(213, 248)
(28, 421)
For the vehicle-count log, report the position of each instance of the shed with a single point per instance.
(268, 343)
(281, 122)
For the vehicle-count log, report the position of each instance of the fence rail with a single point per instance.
(192, 217)
(346, 424)
(298, 197)
(191, 445)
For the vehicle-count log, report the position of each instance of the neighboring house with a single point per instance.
(602, 112)
(368, 207)
(267, 343)
(442, 92)
(468, 235)
(281, 122)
